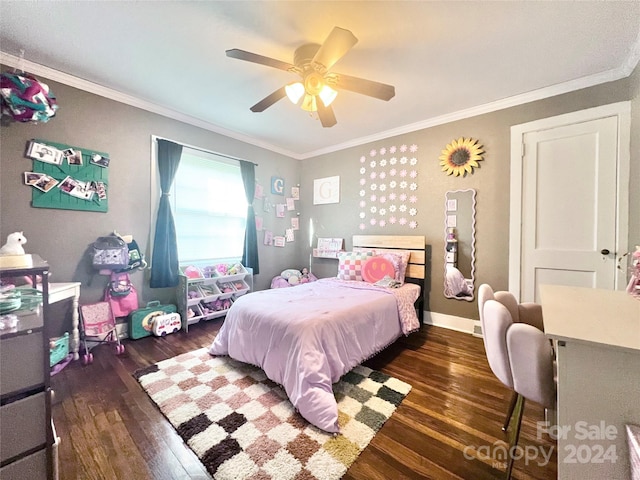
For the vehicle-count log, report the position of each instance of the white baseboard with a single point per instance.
(451, 322)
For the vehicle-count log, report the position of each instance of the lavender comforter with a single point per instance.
(306, 338)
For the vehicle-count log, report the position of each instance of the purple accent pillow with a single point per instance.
(404, 260)
(396, 261)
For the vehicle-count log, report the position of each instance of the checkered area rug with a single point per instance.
(241, 425)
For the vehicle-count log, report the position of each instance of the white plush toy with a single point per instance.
(292, 276)
(14, 244)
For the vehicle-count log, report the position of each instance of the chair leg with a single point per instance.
(512, 405)
(515, 433)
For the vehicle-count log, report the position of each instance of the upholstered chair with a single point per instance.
(528, 312)
(522, 358)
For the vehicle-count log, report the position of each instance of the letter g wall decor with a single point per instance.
(326, 190)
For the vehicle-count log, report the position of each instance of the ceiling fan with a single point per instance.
(319, 85)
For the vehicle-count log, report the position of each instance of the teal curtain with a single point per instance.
(164, 261)
(250, 252)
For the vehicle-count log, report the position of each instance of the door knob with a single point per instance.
(604, 251)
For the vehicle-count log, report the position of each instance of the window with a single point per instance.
(209, 207)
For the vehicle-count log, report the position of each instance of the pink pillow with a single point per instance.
(350, 265)
(404, 260)
(378, 267)
(403, 254)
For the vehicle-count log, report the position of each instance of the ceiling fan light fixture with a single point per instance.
(309, 103)
(294, 91)
(313, 63)
(327, 95)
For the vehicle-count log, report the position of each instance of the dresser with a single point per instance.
(26, 442)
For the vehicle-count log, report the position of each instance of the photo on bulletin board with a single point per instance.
(74, 157)
(295, 193)
(326, 190)
(279, 241)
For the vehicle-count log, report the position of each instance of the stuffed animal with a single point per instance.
(304, 278)
(292, 276)
(14, 244)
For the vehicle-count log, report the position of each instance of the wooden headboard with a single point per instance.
(414, 243)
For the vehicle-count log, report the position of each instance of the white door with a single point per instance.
(569, 213)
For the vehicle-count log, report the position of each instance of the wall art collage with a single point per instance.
(282, 207)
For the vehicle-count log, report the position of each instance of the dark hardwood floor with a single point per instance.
(110, 429)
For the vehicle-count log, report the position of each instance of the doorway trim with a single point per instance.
(621, 110)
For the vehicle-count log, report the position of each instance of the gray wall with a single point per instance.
(85, 120)
(491, 182)
(90, 121)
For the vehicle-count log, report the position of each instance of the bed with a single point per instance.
(306, 338)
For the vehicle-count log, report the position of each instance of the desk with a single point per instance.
(59, 292)
(596, 334)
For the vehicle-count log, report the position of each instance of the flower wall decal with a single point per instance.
(383, 178)
(461, 156)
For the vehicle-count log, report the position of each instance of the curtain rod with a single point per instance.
(156, 137)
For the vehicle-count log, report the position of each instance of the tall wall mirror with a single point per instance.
(460, 237)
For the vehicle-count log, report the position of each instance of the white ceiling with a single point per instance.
(446, 59)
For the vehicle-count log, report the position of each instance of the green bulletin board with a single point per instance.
(87, 172)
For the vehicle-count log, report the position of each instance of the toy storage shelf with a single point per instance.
(26, 443)
(206, 298)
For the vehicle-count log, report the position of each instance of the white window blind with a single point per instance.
(209, 207)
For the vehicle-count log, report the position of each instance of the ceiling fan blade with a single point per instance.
(269, 100)
(255, 58)
(326, 115)
(370, 88)
(337, 44)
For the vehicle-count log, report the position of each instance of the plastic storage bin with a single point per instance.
(58, 349)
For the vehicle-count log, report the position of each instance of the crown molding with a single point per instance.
(106, 92)
(502, 104)
(608, 76)
(633, 58)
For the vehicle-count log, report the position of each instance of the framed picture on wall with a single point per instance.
(277, 185)
(326, 190)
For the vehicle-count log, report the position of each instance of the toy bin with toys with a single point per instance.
(226, 272)
(241, 287)
(207, 290)
(58, 349)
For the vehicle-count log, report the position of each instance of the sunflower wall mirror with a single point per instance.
(461, 156)
(460, 250)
